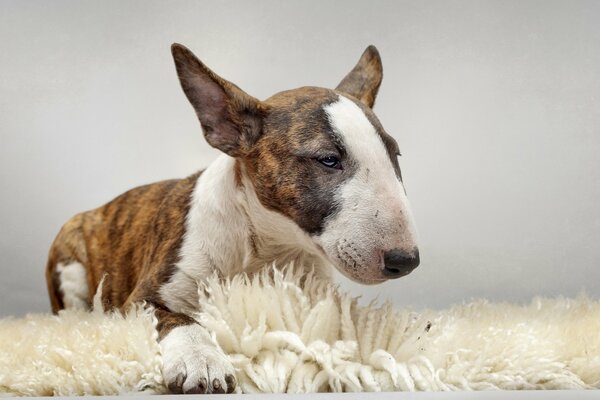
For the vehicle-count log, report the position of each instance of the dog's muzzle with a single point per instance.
(398, 263)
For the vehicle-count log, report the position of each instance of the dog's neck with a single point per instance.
(228, 230)
(272, 236)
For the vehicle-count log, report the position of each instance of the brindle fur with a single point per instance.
(132, 242)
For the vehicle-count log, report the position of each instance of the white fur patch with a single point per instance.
(375, 215)
(214, 235)
(73, 285)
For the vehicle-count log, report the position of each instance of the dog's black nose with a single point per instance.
(399, 263)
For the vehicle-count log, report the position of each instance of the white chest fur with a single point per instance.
(229, 231)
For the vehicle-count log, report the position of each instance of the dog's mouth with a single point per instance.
(379, 270)
(364, 279)
(363, 274)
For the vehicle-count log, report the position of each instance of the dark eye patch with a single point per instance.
(284, 163)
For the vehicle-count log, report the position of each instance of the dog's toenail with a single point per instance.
(231, 383)
(174, 389)
(202, 384)
(217, 388)
(176, 386)
(200, 388)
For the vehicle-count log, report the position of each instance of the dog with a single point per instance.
(307, 176)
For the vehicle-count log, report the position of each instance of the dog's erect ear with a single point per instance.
(230, 118)
(364, 79)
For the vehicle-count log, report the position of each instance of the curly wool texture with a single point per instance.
(287, 334)
(283, 338)
(78, 352)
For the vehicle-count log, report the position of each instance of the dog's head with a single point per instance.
(321, 158)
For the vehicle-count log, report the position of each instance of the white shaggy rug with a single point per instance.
(286, 337)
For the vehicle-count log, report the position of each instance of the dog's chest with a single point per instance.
(228, 231)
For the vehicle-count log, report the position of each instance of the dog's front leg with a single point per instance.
(192, 363)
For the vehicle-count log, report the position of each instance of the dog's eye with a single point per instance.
(330, 162)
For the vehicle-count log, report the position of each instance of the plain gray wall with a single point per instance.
(495, 104)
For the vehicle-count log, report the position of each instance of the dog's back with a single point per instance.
(117, 242)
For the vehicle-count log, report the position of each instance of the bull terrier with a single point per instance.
(308, 175)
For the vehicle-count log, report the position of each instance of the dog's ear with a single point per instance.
(364, 79)
(231, 119)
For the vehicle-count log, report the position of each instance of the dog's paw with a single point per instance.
(193, 364)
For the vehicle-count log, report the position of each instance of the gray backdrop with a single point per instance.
(496, 105)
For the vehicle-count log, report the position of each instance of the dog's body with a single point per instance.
(308, 176)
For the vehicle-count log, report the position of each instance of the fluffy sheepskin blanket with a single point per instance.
(284, 334)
